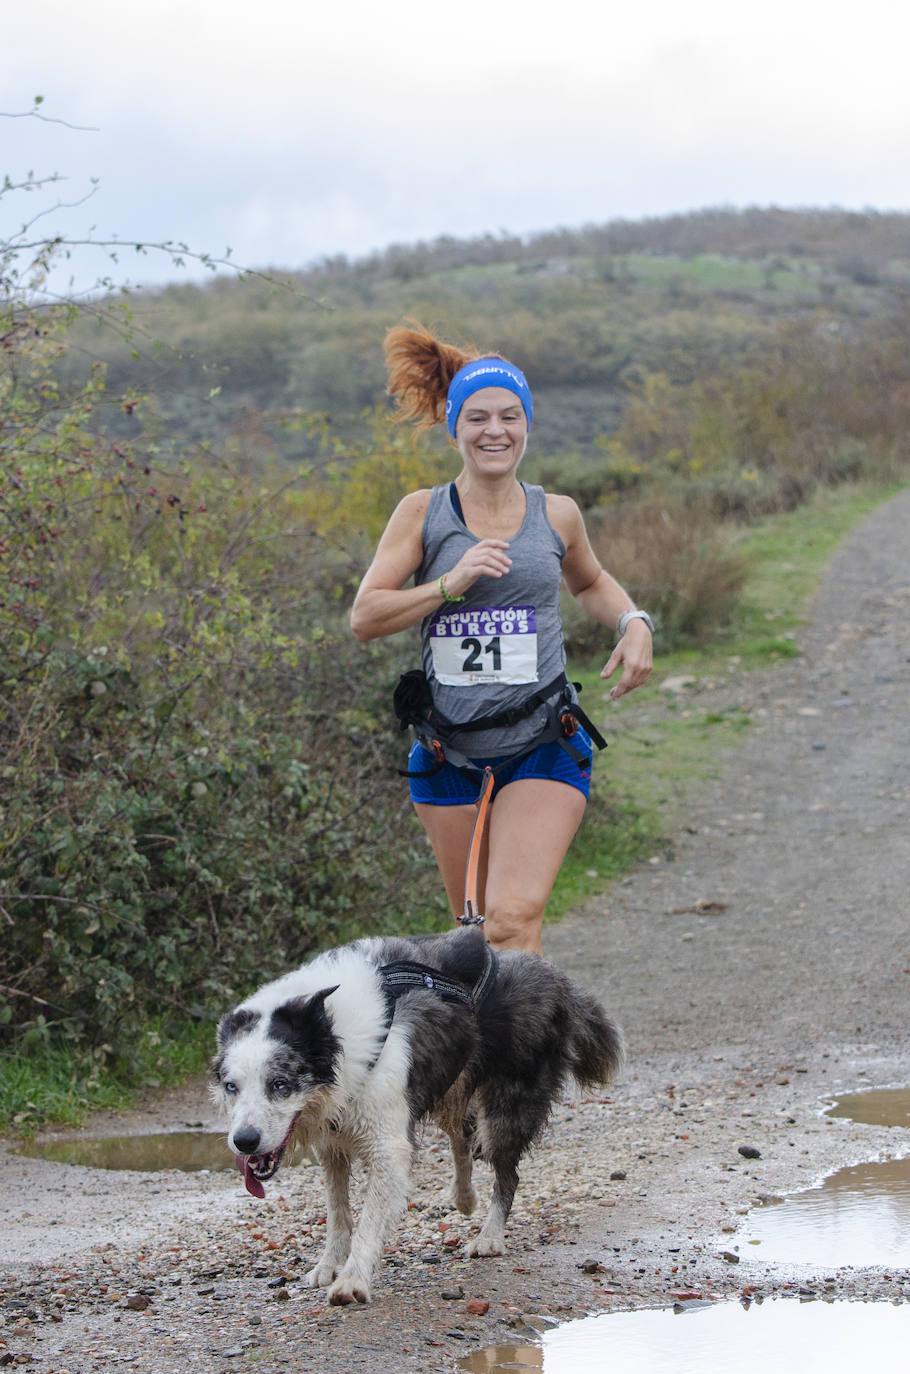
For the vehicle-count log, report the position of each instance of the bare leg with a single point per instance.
(532, 824)
(449, 831)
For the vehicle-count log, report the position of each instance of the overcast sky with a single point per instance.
(291, 131)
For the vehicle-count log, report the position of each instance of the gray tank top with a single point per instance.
(504, 641)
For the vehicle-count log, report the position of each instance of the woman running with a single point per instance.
(487, 554)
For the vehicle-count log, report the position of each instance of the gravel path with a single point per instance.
(762, 969)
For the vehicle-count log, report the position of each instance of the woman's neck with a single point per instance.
(493, 494)
(493, 509)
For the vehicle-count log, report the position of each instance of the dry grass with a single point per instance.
(676, 562)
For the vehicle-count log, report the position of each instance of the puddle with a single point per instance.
(811, 1337)
(858, 1216)
(188, 1151)
(876, 1107)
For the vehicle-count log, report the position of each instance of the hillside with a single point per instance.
(588, 313)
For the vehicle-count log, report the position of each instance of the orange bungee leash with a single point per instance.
(472, 916)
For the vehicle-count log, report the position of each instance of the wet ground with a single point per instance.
(747, 1338)
(760, 968)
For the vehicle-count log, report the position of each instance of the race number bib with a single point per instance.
(487, 644)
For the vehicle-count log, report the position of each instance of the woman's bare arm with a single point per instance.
(383, 605)
(601, 597)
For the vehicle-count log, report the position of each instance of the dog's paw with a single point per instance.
(322, 1275)
(465, 1199)
(485, 1247)
(349, 1288)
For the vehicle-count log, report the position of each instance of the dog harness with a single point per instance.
(406, 976)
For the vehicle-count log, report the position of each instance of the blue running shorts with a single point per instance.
(452, 786)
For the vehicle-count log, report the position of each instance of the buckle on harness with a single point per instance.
(434, 747)
(470, 918)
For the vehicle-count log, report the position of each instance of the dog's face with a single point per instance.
(274, 1071)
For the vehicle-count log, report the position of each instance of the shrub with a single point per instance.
(176, 835)
(673, 561)
(196, 765)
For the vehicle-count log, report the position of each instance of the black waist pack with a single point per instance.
(412, 701)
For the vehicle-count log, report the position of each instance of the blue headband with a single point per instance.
(481, 373)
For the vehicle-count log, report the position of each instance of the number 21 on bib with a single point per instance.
(486, 644)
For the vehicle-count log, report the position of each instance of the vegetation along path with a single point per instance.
(759, 970)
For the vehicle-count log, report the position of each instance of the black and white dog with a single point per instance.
(348, 1053)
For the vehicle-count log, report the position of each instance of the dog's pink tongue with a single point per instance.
(251, 1182)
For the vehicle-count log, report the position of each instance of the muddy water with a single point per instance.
(834, 1337)
(877, 1107)
(190, 1151)
(858, 1216)
(186, 1151)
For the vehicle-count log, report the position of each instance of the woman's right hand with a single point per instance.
(486, 558)
(384, 605)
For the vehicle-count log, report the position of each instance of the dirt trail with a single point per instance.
(763, 969)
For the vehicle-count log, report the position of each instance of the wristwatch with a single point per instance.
(623, 623)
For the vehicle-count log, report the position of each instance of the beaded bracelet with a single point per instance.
(445, 594)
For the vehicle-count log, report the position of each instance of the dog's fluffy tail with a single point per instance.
(596, 1048)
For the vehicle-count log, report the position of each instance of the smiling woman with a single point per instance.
(478, 564)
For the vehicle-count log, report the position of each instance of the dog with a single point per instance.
(347, 1054)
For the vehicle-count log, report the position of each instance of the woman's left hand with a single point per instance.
(634, 651)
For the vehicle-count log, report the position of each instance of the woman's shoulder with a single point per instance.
(563, 514)
(414, 506)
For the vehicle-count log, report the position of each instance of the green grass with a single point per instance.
(46, 1081)
(789, 553)
(614, 836)
(717, 273)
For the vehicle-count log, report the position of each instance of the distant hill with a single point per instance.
(588, 313)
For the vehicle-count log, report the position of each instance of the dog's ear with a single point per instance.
(305, 1025)
(236, 1023)
(302, 1011)
(318, 998)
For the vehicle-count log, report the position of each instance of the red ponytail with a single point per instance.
(420, 370)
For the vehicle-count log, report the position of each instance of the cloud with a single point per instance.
(291, 133)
